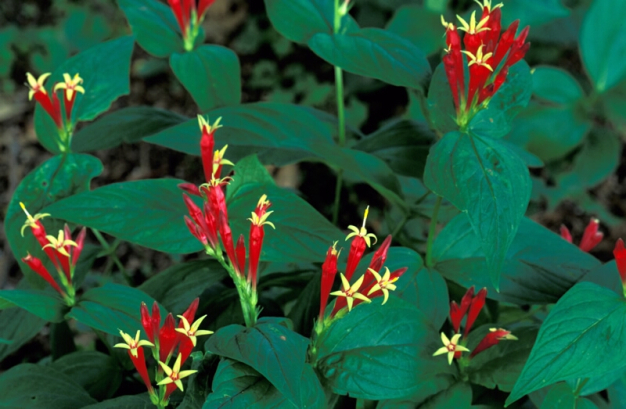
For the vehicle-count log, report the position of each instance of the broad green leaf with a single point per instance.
(615, 106)
(539, 267)
(419, 25)
(176, 287)
(583, 336)
(490, 123)
(601, 43)
(555, 85)
(440, 102)
(127, 125)
(281, 134)
(560, 396)
(55, 179)
(97, 373)
(17, 326)
(306, 307)
(549, 132)
(154, 25)
(488, 182)
(459, 396)
(105, 70)
(617, 393)
(38, 386)
(198, 385)
(112, 308)
(374, 53)
(299, 20)
(403, 145)
(47, 305)
(124, 402)
(589, 386)
(533, 13)
(380, 352)
(500, 365)
(211, 74)
(238, 385)
(514, 94)
(274, 351)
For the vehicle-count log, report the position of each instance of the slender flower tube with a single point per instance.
(151, 322)
(207, 144)
(494, 337)
(37, 266)
(71, 87)
(565, 233)
(62, 246)
(458, 312)
(620, 259)
(255, 239)
(190, 333)
(380, 255)
(450, 347)
(39, 232)
(350, 293)
(329, 271)
(190, 312)
(474, 309)
(51, 105)
(135, 352)
(474, 32)
(240, 251)
(591, 237)
(190, 188)
(168, 338)
(362, 239)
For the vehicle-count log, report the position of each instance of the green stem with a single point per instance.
(110, 250)
(400, 225)
(337, 196)
(341, 117)
(431, 233)
(246, 297)
(426, 113)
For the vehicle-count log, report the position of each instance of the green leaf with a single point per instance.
(374, 53)
(484, 179)
(419, 25)
(601, 44)
(105, 70)
(560, 396)
(154, 25)
(37, 386)
(403, 145)
(199, 384)
(176, 287)
(124, 402)
(380, 352)
(597, 383)
(274, 351)
(112, 308)
(549, 132)
(298, 20)
(128, 125)
(281, 134)
(427, 290)
(96, 372)
(55, 179)
(146, 212)
(539, 267)
(514, 95)
(581, 337)
(211, 74)
(18, 327)
(440, 102)
(556, 85)
(459, 396)
(500, 365)
(46, 305)
(533, 13)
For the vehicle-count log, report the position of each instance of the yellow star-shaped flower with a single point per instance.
(192, 331)
(36, 85)
(31, 221)
(70, 85)
(472, 27)
(132, 344)
(479, 58)
(350, 292)
(450, 346)
(383, 283)
(487, 4)
(59, 243)
(205, 126)
(362, 232)
(174, 374)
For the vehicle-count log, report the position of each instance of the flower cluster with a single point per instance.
(489, 57)
(163, 340)
(470, 307)
(369, 285)
(591, 237)
(51, 103)
(189, 15)
(210, 224)
(62, 251)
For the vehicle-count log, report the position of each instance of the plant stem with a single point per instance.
(247, 300)
(426, 113)
(431, 233)
(400, 225)
(110, 250)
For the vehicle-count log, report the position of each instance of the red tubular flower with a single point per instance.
(619, 252)
(71, 87)
(135, 352)
(329, 271)
(474, 32)
(494, 337)
(50, 104)
(80, 243)
(379, 258)
(359, 243)
(240, 251)
(458, 312)
(227, 239)
(203, 7)
(255, 239)
(201, 226)
(506, 41)
(190, 188)
(177, 9)
(479, 70)
(474, 309)
(37, 266)
(190, 312)
(453, 63)
(207, 144)
(168, 338)
(565, 233)
(382, 285)
(591, 237)
(151, 322)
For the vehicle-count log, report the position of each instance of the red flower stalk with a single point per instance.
(189, 17)
(168, 338)
(207, 144)
(37, 266)
(494, 337)
(50, 104)
(620, 259)
(151, 322)
(359, 243)
(71, 87)
(329, 271)
(240, 251)
(135, 352)
(255, 239)
(474, 309)
(591, 237)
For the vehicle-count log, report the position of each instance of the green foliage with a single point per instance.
(419, 25)
(46, 305)
(98, 373)
(555, 85)
(17, 327)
